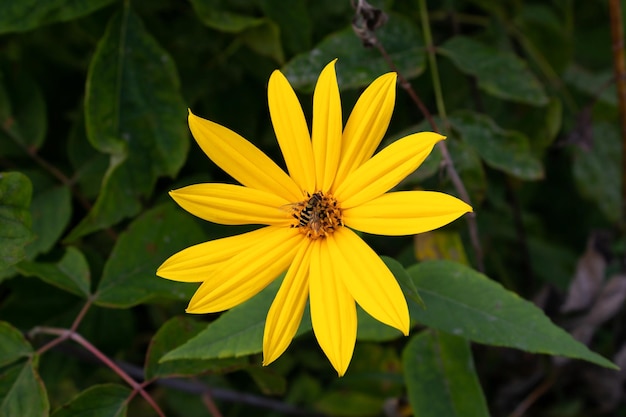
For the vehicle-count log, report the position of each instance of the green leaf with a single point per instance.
(133, 111)
(440, 377)
(12, 344)
(15, 221)
(466, 303)
(215, 14)
(22, 392)
(172, 334)
(71, 273)
(18, 16)
(597, 170)
(129, 275)
(238, 332)
(357, 65)
(23, 120)
(264, 39)
(294, 23)
(106, 400)
(506, 150)
(499, 73)
(51, 211)
(267, 380)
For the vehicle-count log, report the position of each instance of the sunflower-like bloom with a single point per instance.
(334, 186)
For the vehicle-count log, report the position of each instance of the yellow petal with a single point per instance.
(385, 169)
(367, 124)
(286, 311)
(291, 131)
(327, 125)
(233, 204)
(248, 272)
(199, 262)
(368, 279)
(405, 213)
(241, 159)
(333, 311)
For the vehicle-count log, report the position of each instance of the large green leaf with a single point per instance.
(23, 120)
(106, 400)
(597, 169)
(71, 273)
(51, 210)
(12, 344)
(129, 275)
(22, 392)
(18, 16)
(15, 219)
(357, 65)
(440, 377)
(172, 334)
(499, 73)
(133, 111)
(238, 332)
(506, 150)
(466, 303)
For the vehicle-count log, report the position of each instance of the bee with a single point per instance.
(312, 214)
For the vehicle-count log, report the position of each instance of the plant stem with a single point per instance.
(619, 69)
(64, 334)
(432, 62)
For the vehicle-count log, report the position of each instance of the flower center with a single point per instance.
(317, 216)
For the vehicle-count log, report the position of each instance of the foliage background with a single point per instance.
(93, 98)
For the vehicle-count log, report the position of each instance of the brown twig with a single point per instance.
(368, 36)
(537, 393)
(64, 334)
(207, 400)
(619, 69)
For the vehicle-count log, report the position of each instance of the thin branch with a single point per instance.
(70, 334)
(537, 393)
(369, 37)
(619, 69)
(207, 400)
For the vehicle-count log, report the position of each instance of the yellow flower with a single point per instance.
(334, 185)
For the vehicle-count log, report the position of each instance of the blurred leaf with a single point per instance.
(18, 16)
(129, 275)
(357, 65)
(470, 168)
(440, 377)
(371, 330)
(439, 244)
(71, 273)
(264, 39)
(216, 15)
(172, 334)
(597, 170)
(466, 303)
(51, 210)
(106, 400)
(551, 126)
(15, 220)
(499, 73)
(237, 332)
(23, 120)
(597, 85)
(22, 392)
(506, 150)
(349, 404)
(293, 20)
(267, 380)
(13, 345)
(133, 111)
